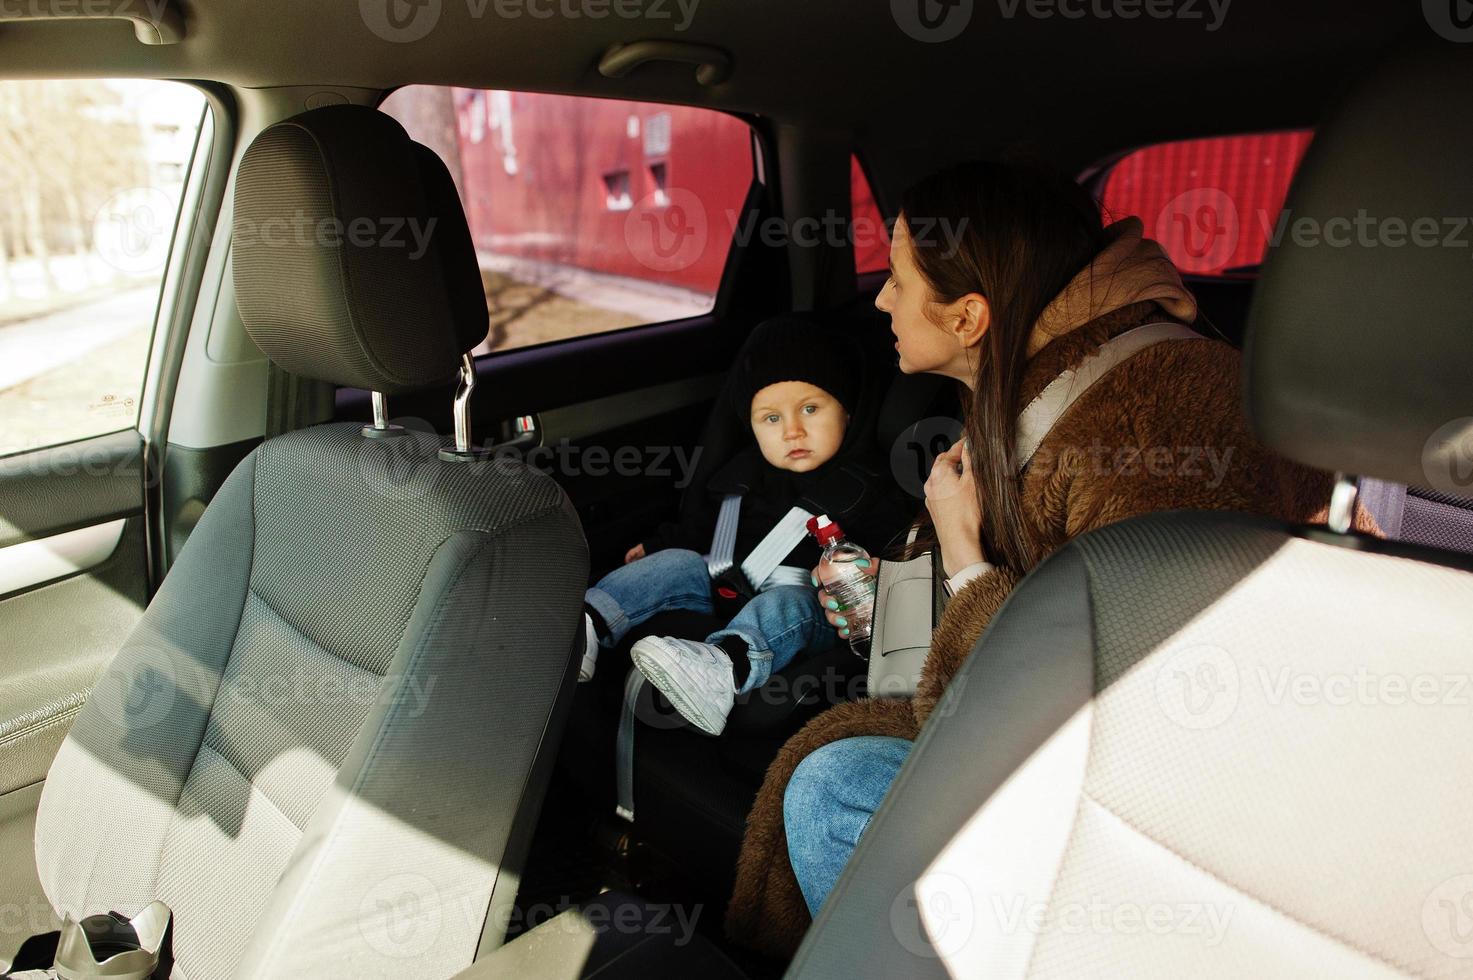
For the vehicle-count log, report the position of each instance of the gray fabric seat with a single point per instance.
(1212, 745)
(326, 742)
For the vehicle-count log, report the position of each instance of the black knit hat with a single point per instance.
(791, 348)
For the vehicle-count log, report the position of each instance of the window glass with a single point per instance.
(588, 215)
(871, 237)
(91, 173)
(1214, 203)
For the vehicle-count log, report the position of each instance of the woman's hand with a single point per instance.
(951, 499)
(634, 554)
(830, 605)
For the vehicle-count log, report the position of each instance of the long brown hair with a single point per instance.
(1017, 234)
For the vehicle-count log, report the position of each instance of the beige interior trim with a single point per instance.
(32, 563)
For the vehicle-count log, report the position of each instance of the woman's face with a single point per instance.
(799, 426)
(922, 337)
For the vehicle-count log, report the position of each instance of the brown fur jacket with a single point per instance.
(1162, 431)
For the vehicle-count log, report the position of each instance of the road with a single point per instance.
(33, 347)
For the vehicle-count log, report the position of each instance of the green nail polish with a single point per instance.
(814, 579)
(862, 562)
(841, 621)
(832, 604)
(843, 632)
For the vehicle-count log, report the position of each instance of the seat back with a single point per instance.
(1209, 744)
(324, 744)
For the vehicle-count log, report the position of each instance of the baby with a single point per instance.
(796, 387)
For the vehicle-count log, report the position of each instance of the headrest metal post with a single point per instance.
(1342, 503)
(463, 394)
(381, 428)
(464, 449)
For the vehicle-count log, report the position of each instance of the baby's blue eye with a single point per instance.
(810, 409)
(770, 418)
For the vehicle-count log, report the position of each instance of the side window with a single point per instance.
(91, 175)
(871, 237)
(1214, 203)
(588, 215)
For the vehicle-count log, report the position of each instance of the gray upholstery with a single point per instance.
(351, 255)
(1418, 515)
(328, 715)
(1359, 342)
(1170, 772)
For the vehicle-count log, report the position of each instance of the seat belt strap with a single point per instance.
(723, 542)
(624, 746)
(1035, 421)
(765, 559)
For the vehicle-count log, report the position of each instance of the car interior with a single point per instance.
(294, 539)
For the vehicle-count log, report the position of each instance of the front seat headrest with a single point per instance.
(352, 259)
(1359, 354)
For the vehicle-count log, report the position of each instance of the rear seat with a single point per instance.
(1420, 516)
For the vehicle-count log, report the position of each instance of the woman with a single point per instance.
(1024, 284)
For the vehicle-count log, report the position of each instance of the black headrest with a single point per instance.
(1359, 351)
(353, 262)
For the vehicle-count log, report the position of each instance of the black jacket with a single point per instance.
(854, 488)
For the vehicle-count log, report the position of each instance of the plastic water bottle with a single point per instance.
(851, 586)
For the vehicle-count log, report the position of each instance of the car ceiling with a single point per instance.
(1069, 90)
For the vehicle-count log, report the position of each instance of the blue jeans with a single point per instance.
(776, 625)
(828, 804)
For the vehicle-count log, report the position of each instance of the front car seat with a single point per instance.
(1213, 745)
(323, 745)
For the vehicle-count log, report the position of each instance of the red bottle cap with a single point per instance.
(824, 530)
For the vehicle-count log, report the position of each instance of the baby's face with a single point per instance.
(799, 426)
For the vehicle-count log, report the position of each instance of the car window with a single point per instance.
(91, 173)
(588, 215)
(871, 237)
(1215, 204)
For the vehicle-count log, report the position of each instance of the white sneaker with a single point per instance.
(590, 650)
(696, 677)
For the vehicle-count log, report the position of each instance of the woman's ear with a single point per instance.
(973, 319)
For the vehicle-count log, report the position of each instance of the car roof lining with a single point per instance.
(1067, 90)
